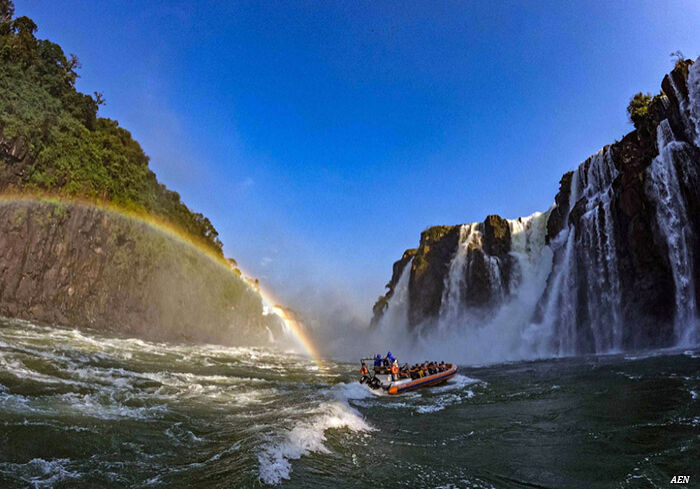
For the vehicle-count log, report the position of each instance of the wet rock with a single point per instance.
(496, 236)
(383, 301)
(438, 245)
(558, 216)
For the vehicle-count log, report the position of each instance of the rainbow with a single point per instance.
(168, 228)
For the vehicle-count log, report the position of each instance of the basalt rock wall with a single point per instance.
(619, 247)
(81, 266)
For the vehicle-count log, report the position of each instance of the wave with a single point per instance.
(39, 473)
(309, 435)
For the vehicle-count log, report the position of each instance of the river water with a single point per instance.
(89, 410)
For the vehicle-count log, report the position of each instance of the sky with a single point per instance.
(321, 137)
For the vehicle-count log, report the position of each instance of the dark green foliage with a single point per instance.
(638, 109)
(72, 151)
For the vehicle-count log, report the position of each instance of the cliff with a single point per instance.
(65, 257)
(66, 263)
(619, 246)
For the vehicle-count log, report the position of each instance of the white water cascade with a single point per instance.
(566, 298)
(451, 306)
(694, 98)
(664, 188)
(471, 330)
(395, 318)
(585, 256)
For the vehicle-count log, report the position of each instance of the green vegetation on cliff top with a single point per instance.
(72, 151)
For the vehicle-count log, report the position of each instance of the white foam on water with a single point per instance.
(354, 390)
(18, 369)
(15, 402)
(105, 407)
(430, 408)
(306, 437)
(40, 473)
(444, 401)
(457, 382)
(26, 422)
(181, 435)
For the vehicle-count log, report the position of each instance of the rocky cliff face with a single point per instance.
(85, 267)
(619, 248)
(484, 246)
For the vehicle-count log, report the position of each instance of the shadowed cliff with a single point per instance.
(76, 265)
(83, 266)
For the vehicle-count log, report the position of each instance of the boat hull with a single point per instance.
(438, 378)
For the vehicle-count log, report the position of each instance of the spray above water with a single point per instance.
(292, 325)
(495, 331)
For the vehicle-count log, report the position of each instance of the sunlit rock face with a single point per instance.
(86, 267)
(612, 266)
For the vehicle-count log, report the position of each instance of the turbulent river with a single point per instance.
(85, 409)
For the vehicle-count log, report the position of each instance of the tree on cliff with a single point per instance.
(72, 151)
(638, 108)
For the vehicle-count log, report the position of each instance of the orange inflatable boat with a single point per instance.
(405, 385)
(396, 380)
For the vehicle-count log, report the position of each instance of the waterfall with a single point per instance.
(455, 284)
(694, 98)
(585, 286)
(395, 318)
(472, 329)
(452, 305)
(565, 298)
(664, 188)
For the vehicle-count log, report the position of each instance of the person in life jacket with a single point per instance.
(395, 370)
(364, 373)
(378, 360)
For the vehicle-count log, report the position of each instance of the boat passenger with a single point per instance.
(364, 374)
(378, 360)
(395, 371)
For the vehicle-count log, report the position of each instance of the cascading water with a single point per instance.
(585, 287)
(664, 188)
(694, 99)
(527, 243)
(469, 329)
(567, 297)
(395, 319)
(451, 306)
(559, 310)
(462, 330)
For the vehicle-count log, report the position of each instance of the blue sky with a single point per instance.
(322, 137)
